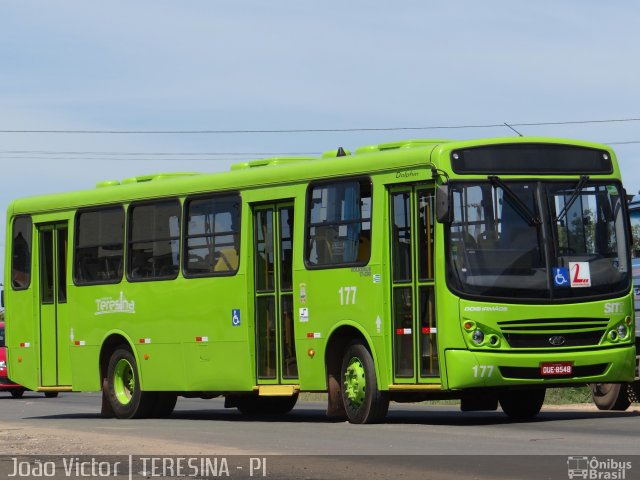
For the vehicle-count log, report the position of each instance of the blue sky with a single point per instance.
(222, 65)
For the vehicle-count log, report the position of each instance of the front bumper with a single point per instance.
(474, 369)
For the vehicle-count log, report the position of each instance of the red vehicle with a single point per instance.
(7, 385)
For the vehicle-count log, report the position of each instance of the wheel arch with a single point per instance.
(340, 337)
(110, 342)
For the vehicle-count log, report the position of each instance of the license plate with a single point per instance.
(556, 368)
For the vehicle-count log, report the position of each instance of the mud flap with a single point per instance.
(106, 411)
(335, 405)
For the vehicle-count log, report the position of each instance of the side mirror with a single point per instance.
(2, 298)
(443, 204)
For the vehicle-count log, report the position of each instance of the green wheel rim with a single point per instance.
(355, 383)
(124, 381)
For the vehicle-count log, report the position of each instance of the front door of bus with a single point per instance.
(54, 333)
(273, 254)
(414, 330)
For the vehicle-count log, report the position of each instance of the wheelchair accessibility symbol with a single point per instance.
(561, 277)
(235, 317)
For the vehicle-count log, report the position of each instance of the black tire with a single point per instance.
(253, 405)
(363, 401)
(610, 396)
(123, 386)
(50, 394)
(165, 402)
(635, 389)
(522, 404)
(17, 393)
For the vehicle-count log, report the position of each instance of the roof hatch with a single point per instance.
(270, 162)
(145, 178)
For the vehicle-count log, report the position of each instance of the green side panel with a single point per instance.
(161, 367)
(312, 369)
(23, 366)
(195, 366)
(221, 366)
(85, 369)
(199, 360)
(171, 316)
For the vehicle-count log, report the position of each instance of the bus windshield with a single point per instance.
(537, 240)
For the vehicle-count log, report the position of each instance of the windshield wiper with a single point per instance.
(531, 218)
(576, 191)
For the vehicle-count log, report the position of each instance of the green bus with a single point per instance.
(484, 270)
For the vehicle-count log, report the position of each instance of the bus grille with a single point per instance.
(554, 332)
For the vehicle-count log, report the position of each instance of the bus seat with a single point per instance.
(322, 243)
(488, 240)
(226, 260)
(364, 248)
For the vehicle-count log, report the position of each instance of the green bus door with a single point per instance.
(54, 331)
(273, 255)
(414, 332)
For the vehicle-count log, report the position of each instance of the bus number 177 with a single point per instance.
(482, 371)
(347, 295)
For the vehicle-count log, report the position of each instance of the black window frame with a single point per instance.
(29, 256)
(129, 241)
(186, 236)
(79, 212)
(307, 224)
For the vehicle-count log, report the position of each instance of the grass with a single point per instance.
(559, 396)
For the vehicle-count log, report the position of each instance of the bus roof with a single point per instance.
(404, 154)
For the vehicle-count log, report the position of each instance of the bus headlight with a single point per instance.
(622, 331)
(3, 364)
(477, 336)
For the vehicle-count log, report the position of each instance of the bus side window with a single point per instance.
(154, 240)
(338, 231)
(212, 236)
(99, 246)
(21, 253)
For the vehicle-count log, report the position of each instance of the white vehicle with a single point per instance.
(618, 396)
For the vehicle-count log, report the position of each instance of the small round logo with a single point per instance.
(557, 340)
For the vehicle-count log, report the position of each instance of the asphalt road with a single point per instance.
(441, 439)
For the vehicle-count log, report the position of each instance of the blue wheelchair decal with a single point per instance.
(561, 277)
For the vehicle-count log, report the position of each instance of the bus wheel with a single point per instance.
(123, 386)
(165, 402)
(50, 394)
(522, 404)
(17, 393)
(363, 402)
(610, 396)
